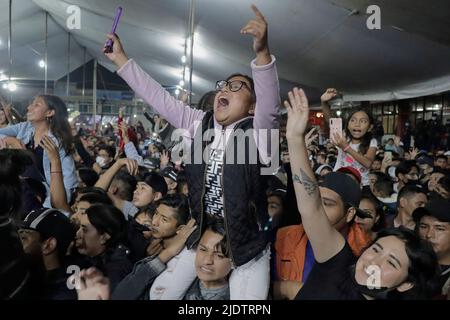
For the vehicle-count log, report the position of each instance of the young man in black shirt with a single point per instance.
(46, 235)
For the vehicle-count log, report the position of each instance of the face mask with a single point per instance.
(100, 161)
(376, 293)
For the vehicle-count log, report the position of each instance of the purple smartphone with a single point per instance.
(109, 43)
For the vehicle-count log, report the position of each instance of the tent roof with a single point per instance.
(317, 43)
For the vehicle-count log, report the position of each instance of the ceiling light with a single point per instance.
(12, 86)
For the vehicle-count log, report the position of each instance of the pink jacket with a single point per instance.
(182, 116)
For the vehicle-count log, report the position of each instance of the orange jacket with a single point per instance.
(290, 249)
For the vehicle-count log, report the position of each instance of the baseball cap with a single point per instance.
(323, 166)
(170, 173)
(281, 192)
(425, 160)
(353, 171)
(347, 188)
(151, 163)
(156, 181)
(51, 223)
(438, 208)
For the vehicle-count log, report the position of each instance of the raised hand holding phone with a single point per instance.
(388, 156)
(109, 43)
(113, 49)
(335, 126)
(337, 135)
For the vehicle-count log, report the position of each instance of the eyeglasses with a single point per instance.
(234, 85)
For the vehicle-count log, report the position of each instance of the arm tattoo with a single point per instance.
(309, 184)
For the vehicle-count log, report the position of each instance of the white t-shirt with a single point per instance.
(176, 279)
(346, 160)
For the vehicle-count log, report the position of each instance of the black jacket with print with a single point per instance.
(243, 187)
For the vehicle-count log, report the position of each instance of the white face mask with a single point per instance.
(100, 161)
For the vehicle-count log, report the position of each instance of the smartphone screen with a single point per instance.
(388, 155)
(335, 126)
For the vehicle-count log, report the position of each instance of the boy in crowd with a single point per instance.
(46, 235)
(441, 161)
(105, 158)
(409, 199)
(170, 176)
(433, 225)
(152, 187)
(168, 222)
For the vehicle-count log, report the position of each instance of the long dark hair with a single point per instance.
(423, 263)
(59, 123)
(365, 140)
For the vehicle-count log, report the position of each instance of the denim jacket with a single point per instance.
(24, 131)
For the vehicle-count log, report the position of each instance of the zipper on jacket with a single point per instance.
(203, 184)
(201, 204)
(223, 198)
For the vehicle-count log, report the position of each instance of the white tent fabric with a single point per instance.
(318, 43)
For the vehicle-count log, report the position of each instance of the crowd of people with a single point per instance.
(127, 214)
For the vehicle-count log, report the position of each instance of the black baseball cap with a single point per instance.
(347, 188)
(424, 159)
(438, 208)
(279, 192)
(156, 181)
(51, 223)
(170, 173)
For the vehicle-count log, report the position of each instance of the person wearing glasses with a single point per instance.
(221, 188)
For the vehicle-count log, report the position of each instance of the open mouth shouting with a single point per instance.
(356, 132)
(222, 102)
